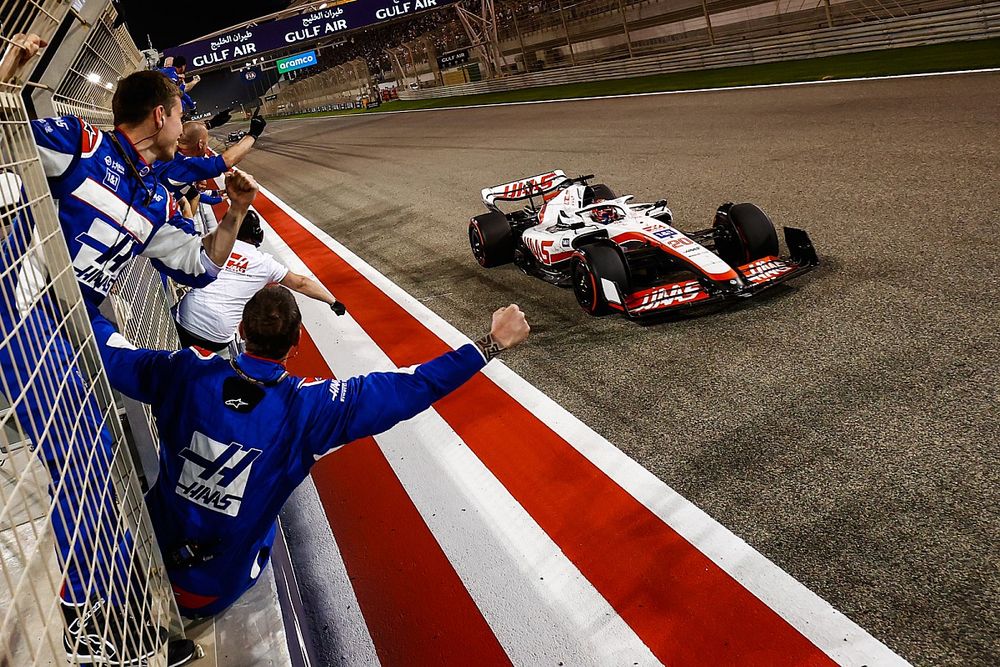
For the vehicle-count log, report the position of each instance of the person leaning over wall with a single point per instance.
(110, 209)
(244, 433)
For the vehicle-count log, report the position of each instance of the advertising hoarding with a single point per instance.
(298, 61)
(255, 40)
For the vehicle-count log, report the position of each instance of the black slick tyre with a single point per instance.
(598, 262)
(492, 239)
(744, 235)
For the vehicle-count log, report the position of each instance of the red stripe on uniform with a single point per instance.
(417, 610)
(685, 608)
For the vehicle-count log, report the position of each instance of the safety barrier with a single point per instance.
(71, 502)
(933, 28)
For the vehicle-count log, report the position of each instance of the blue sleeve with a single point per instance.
(373, 403)
(211, 199)
(145, 375)
(60, 142)
(170, 73)
(176, 250)
(183, 278)
(187, 104)
(191, 170)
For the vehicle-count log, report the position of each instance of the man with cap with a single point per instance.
(208, 317)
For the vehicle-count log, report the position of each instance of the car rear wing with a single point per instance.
(524, 188)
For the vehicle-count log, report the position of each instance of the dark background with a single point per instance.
(179, 21)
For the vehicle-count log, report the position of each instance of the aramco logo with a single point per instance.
(295, 62)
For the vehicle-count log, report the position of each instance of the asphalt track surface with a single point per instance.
(847, 426)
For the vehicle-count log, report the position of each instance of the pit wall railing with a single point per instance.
(71, 503)
(54, 382)
(981, 22)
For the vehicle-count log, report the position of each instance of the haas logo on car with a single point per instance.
(529, 186)
(540, 249)
(765, 270)
(670, 295)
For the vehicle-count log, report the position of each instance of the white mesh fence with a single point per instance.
(88, 85)
(72, 518)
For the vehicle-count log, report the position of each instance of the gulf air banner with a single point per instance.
(247, 42)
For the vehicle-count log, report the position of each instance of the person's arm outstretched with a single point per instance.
(235, 153)
(136, 372)
(374, 403)
(312, 289)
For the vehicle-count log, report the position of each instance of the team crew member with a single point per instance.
(191, 163)
(111, 206)
(244, 433)
(173, 69)
(209, 317)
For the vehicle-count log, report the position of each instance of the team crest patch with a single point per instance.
(215, 475)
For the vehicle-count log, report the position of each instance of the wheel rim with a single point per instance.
(476, 241)
(584, 287)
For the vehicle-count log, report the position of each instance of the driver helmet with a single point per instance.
(605, 214)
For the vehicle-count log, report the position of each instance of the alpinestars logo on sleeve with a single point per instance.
(215, 475)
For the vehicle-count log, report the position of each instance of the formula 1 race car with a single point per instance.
(626, 257)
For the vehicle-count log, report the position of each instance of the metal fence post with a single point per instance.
(562, 17)
(520, 41)
(708, 23)
(628, 37)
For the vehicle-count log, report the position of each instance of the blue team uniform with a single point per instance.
(232, 450)
(187, 104)
(108, 216)
(182, 173)
(211, 197)
(61, 419)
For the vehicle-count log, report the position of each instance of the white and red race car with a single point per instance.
(627, 257)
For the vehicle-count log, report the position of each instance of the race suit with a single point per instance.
(235, 444)
(187, 104)
(107, 215)
(62, 420)
(181, 174)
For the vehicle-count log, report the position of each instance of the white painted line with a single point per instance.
(816, 619)
(762, 86)
(537, 603)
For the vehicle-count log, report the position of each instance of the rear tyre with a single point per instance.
(492, 239)
(597, 192)
(744, 235)
(598, 262)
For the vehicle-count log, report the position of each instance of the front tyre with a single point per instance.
(595, 264)
(743, 233)
(492, 239)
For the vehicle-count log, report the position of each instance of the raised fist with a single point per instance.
(241, 188)
(510, 327)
